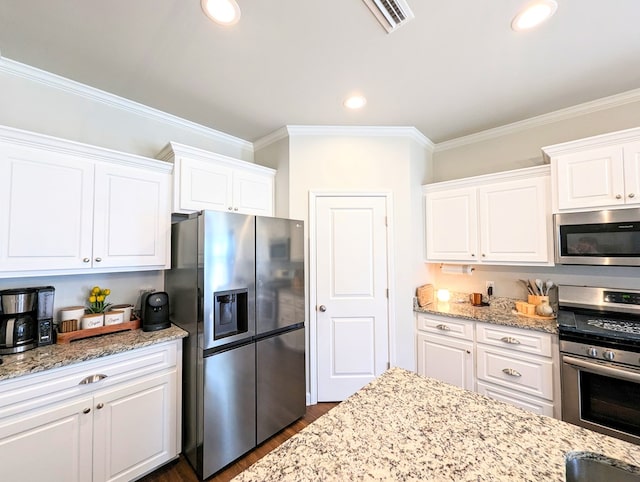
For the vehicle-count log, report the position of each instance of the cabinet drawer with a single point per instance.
(518, 399)
(525, 373)
(446, 327)
(524, 341)
(33, 391)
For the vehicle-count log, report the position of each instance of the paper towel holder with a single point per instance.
(456, 268)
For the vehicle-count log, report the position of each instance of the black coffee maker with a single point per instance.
(26, 318)
(18, 320)
(154, 310)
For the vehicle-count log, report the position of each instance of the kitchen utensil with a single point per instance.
(534, 289)
(526, 285)
(539, 287)
(548, 287)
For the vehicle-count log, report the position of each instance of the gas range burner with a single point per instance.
(619, 326)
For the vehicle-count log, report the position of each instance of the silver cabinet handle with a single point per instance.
(92, 379)
(443, 327)
(98, 260)
(322, 308)
(86, 410)
(99, 406)
(86, 260)
(618, 196)
(632, 195)
(511, 372)
(510, 340)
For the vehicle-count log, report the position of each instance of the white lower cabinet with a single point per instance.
(445, 350)
(509, 364)
(52, 427)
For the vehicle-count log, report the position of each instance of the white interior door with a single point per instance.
(351, 293)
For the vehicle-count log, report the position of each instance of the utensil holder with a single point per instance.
(537, 300)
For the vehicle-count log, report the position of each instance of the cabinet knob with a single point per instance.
(322, 308)
(473, 255)
(86, 410)
(86, 260)
(483, 255)
(631, 195)
(99, 406)
(230, 208)
(618, 196)
(98, 260)
(468, 352)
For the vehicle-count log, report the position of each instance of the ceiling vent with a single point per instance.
(390, 13)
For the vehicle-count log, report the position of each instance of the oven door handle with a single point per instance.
(602, 370)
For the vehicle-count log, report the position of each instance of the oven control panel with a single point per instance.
(625, 297)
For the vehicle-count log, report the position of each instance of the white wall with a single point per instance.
(372, 164)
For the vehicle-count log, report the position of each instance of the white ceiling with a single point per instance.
(456, 69)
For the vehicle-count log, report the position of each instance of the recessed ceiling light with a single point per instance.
(223, 12)
(533, 14)
(355, 102)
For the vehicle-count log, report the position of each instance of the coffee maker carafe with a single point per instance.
(18, 330)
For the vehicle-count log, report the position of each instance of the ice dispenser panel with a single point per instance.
(231, 313)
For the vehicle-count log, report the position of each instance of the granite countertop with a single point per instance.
(403, 426)
(500, 312)
(59, 355)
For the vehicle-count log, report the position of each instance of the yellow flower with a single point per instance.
(92, 299)
(100, 298)
(95, 290)
(106, 292)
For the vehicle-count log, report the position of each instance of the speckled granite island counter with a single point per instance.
(403, 426)
(60, 355)
(500, 313)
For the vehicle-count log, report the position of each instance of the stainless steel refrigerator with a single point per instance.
(237, 286)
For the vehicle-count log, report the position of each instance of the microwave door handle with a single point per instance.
(602, 370)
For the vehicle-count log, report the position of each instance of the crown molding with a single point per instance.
(55, 81)
(558, 115)
(360, 131)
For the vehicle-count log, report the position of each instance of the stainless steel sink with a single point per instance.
(590, 469)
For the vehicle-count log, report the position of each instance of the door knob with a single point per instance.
(98, 260)
(322, 308)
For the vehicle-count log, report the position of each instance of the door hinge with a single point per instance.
(387, 293)
(388, 365)
(386, 221)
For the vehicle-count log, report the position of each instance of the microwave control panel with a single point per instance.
(624, 297)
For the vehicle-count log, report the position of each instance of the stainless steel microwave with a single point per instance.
(598, 238)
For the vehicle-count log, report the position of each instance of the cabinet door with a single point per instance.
(514, 217)
(204, 185)
(135, 428)
(131, 217)
(50, 444)
(448, 360)
(591, 179)
(451, 225)
(46, 216)
(632, 172)
(252, 193)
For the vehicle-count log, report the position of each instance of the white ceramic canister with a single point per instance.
(113, 317)
(92, 320)
(71, 313)
(126, 308)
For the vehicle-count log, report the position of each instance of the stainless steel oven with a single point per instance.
(600, 353)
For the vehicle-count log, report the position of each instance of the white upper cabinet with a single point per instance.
(204, 180)
(501, 218)
(600, 171)
(70, 208)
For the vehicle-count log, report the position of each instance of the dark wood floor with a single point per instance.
(180, 470)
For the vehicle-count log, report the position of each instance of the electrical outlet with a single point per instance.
(491, 284)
